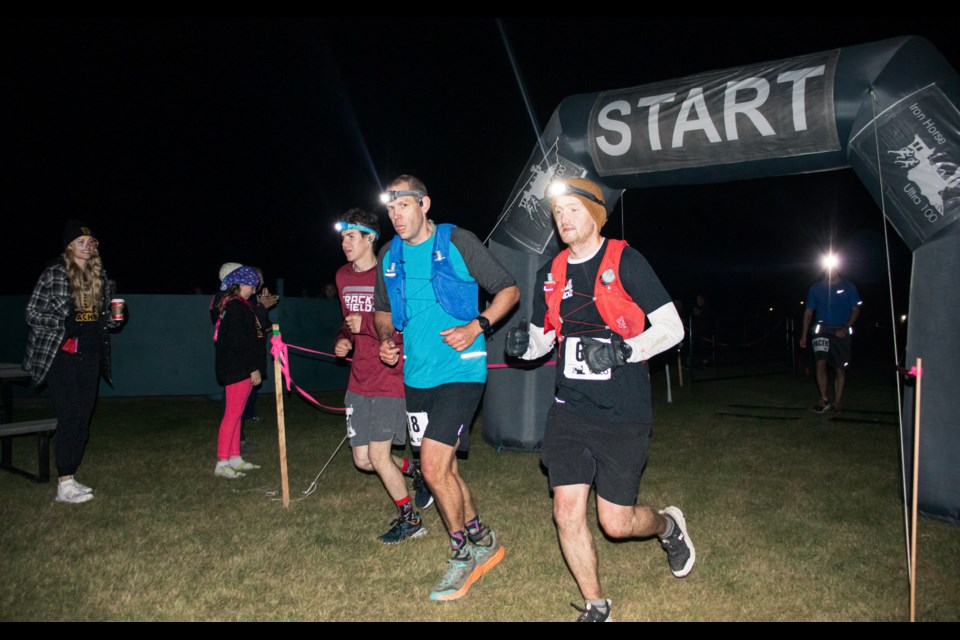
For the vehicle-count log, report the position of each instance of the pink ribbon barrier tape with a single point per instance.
(278, 349)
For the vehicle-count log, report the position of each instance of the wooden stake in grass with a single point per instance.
(281, 427)
(913, 525)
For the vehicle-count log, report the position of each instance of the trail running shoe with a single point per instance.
(679, 547)
(461, 573)
(487, 555)
(589, 613)
(423, 498)
(822, 407)
(69, 492)
(404, 530)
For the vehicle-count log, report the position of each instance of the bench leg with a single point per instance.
(6, 457)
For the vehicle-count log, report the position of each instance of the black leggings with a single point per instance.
(74, 381)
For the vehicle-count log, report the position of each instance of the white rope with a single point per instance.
(313, 485)
(893, 325)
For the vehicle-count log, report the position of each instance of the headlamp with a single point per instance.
(389, 196)
(559, 188)
(345, 226)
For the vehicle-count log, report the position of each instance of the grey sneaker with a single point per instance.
(457, 579)
(487, 555)
(68, 491)
(592, 614)
(679, 547)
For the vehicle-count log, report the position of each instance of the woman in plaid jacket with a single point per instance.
(69, 347)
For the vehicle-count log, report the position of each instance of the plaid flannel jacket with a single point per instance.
(47, 311)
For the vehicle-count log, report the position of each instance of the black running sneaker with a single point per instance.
(679, 547)
(404, 530)
(422, 496)
(589, 613)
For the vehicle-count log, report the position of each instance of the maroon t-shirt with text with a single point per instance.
(368, 375)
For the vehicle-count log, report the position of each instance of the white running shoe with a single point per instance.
(243, 465)
(226, 471)
(72, 492)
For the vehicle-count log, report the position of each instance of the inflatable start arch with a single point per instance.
(887, 109)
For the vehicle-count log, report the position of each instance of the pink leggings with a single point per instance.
(228, 443)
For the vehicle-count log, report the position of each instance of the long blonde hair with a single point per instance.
(86, 283)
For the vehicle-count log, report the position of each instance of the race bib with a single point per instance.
(416, 426)
(351, 432)
(575, 365)
(821, 344)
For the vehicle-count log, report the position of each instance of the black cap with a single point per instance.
(75, 229)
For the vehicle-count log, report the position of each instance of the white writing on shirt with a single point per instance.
(358, 299)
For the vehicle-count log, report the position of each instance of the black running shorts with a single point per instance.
(443, 413)
(610, 455)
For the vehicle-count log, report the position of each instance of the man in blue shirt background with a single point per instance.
(836, 303)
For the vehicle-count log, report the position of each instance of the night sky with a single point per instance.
(188, 143)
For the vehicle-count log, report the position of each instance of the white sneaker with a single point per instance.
(72, 492)
(243, 465)
(226, 471)
(82, 487)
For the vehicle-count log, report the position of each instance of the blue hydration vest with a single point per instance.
(455, 296)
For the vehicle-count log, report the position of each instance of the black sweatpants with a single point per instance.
(74, 381)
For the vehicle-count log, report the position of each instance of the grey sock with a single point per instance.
(600, 605)
(671, 525)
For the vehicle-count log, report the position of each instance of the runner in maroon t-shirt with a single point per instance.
(376, 409)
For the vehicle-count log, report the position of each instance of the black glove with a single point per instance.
(518, 340)
(601, 356)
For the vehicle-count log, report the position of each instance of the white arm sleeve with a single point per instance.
(666, 330)
(540, 343)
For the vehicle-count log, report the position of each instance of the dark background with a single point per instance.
(188, 143)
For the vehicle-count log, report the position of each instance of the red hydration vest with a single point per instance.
(618, 310)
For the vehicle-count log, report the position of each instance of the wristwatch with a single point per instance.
(484, 324)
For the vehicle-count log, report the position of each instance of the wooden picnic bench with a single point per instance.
(11, 374)
(44, 430)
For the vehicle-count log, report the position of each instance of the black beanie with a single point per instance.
(74, 230)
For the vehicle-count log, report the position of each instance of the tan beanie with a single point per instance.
(597, 211)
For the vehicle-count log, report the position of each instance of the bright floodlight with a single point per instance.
(830, 261)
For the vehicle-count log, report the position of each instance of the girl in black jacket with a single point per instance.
(239, 337)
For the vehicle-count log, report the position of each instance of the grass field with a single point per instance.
(795, 517)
